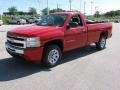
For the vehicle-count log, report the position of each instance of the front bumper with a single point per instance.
(29, 54)
(14, 49)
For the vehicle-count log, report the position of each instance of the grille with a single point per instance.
(18, 42)
(16, 38)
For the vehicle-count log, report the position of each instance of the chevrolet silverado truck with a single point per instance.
(55, 34)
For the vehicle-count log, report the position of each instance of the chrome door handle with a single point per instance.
(83, 30)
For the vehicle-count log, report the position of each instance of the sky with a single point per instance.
(100, 5)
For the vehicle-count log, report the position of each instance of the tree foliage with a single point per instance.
(13, 10)
(57, 10)
(45, 11)
(112, 13)
(32, 11)
(97, 14)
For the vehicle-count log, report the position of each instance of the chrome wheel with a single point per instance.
(53, 56)
(102, 42)
(100, 45)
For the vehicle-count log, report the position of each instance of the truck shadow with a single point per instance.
(78, 53)
(11, 69)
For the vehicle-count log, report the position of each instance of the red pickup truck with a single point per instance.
(55, 34)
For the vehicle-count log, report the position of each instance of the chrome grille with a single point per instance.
(17, 42)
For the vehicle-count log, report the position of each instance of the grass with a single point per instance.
(5, 19)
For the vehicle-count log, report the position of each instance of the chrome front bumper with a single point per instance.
(13, 49)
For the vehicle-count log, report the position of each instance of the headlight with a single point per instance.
(33, 42)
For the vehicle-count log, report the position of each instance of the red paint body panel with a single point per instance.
(73, 38)
(33, 54)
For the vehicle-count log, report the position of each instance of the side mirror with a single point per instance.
(68, 26)
(72, 24)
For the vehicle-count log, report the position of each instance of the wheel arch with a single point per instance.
(58, 42)
(104, 33)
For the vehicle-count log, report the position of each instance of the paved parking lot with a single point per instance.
(82, 69)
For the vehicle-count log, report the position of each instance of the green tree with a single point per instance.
(13, 10)
(32, 11)
(45, 11)
(112, 13)
(57, 10)
(97, 14)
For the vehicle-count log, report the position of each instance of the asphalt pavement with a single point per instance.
(81, 69)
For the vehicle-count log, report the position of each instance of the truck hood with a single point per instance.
(33, 30)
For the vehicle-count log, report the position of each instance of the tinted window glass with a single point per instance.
(53, 20)
(76, 19)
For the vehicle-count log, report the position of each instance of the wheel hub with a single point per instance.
(102, 43)
(53, 56)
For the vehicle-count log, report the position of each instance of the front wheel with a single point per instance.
(52, 54)
(101, 44)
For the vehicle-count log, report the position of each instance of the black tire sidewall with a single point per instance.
(47, 49)
(18, 23)
(98, 44)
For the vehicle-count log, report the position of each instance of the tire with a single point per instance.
(101, 44)
(18, 22)
(26, 22)
(52, 55)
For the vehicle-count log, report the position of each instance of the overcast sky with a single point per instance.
(23, 5)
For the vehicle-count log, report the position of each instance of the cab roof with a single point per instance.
(68, 13)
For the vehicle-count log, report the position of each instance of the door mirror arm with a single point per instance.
(68, 26)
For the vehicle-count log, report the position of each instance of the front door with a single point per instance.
(76, 34)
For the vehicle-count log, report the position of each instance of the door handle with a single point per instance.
(82, 30)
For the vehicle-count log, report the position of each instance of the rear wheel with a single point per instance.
(18, 22)
(101, 44)
(52, 55)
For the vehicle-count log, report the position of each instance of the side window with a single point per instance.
(75, 21)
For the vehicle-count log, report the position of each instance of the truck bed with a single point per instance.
(95, 28)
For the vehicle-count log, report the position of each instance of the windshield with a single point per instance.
(53, 20)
